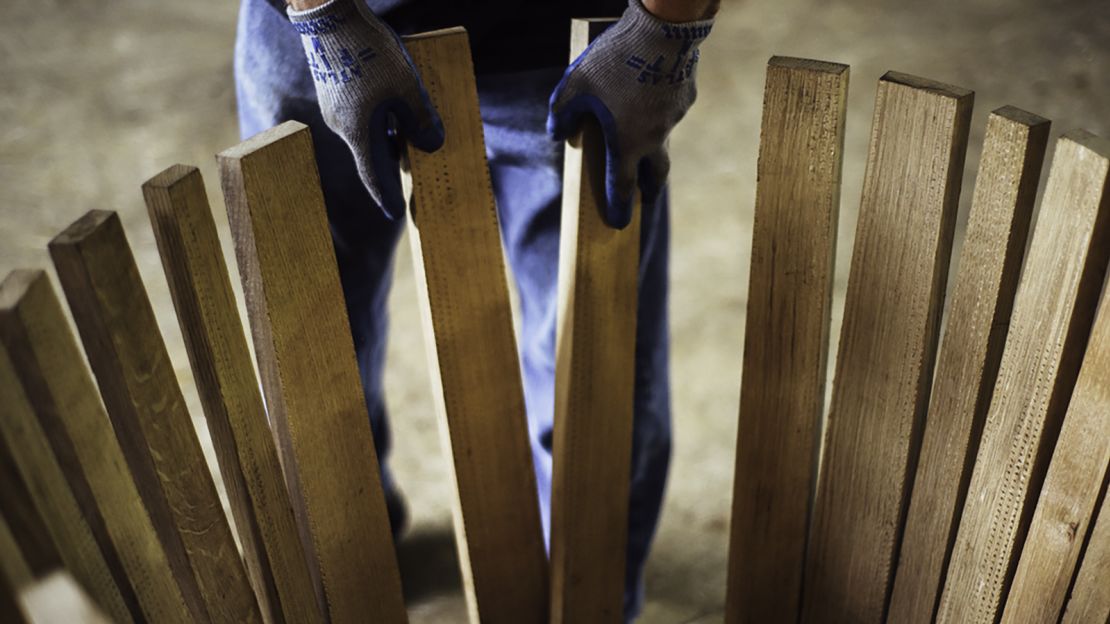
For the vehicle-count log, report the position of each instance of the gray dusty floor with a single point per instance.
(99, 96)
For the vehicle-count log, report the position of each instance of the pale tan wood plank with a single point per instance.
(185, 231)
(787, 336)
(594, 376)
(1052, 317)
(1072, 486)
(888, 339)
(967, 364)
(309, 374)
(50, 366)
(472, 352)
(133, 369)
(24, 444)
(57, 599)
(1089, 599)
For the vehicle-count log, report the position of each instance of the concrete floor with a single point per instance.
(100, 96)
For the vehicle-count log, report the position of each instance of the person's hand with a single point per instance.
(369, 92)
(637, 79)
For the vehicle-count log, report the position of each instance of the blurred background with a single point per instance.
(99, 96)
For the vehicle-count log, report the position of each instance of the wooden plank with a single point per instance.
(888, 339)
(28, 549)
(967, 364)
(69, 540)
(1089, 600)
(13, 566)
(594, 377)
(9, 598)
(217, 346)
(1076, 479)
(147, 410)
(58, 598)
(786, 341)
(309, 374)
(37, 337)
(472, 352)
(1048, 331)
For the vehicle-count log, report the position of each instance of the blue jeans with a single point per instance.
(273, 85)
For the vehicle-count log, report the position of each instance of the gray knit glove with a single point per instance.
(637, 79)
(369, 92)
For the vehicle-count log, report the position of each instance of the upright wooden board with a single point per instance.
(786, 342)
(1089, 599)
(1052, 318)
(306, 359)
(1076, 479)
(967, 364)
(13, 565)
(24, 444)
(474, 363)
(594, 377)
(888, 339)
(193, 260)
(58, 598)
(148, 412)
(51, 371)
(27, 551)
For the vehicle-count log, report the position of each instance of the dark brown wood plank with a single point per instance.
(888, 339)
(32, 550)
(306, 359)
(51, 370)
(786, 340)
(967, 365)
(472, 349)
(147, 410)
(217, 346)
(594, 377)
(1053, 311)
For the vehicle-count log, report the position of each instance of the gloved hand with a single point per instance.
(637, 78)
(369, 92)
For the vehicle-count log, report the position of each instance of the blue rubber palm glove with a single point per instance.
(637, 79)
(369, 92)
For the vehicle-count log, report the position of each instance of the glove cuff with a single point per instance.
(324, 19)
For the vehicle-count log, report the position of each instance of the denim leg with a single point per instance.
(526, 169)
(272, 86)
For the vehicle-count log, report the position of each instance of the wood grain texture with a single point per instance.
(476, 378)
(58, 598)
(24, 444)
(786, 340)
(1052, 317)
(306, 359)
(217, 346)
(892, 309)
(37, 337)
(1075, 480)
(967, 363)
(1089, 599)
(594, 377)
(147, 410)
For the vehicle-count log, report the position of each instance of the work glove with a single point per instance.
(369, 91)
(637, 79)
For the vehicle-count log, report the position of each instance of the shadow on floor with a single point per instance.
(429, 564)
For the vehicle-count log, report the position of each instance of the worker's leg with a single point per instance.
(526, 168)
(273, 85)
